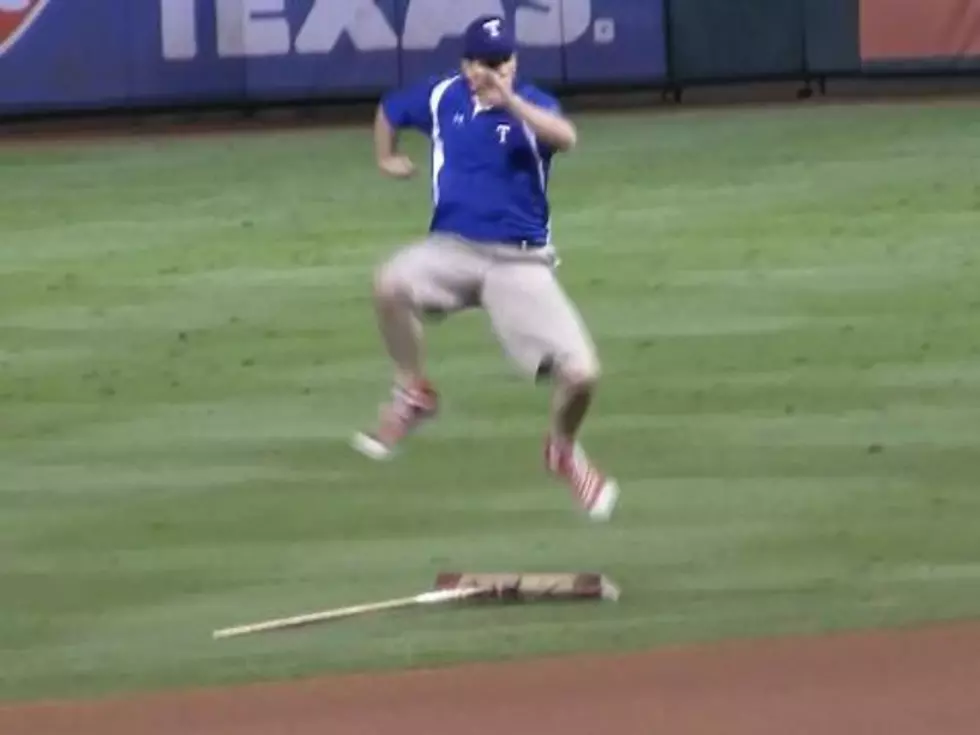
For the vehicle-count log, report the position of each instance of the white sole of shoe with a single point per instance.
(371, 447)
(602, 509)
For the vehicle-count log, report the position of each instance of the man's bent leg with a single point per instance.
(435, 277)
(542, 331)
(570, 403)
(399, 323)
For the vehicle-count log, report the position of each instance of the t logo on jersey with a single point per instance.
(16, 16)
(503, 131)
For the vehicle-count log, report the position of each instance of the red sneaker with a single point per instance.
(596, 493)
(408, 408)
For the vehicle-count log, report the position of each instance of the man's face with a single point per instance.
(475, 72)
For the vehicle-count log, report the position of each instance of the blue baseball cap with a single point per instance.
(488, 38)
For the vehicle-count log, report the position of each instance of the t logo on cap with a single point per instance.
(492, 27)
(488, 39)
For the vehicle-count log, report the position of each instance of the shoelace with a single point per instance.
(408, 401)
(586, 480)
(400, 414)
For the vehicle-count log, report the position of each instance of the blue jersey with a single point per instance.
(489, 171)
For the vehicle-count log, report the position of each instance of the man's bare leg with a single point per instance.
(401, 331)
(564, 455)
(569, 406)
(413, 398)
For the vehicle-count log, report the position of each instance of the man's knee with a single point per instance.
(579, 373)
(391, 285)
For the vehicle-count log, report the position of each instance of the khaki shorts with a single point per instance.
(536, 323)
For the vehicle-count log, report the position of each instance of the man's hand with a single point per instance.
(551, 127)
(390, 161)
(495, 88)
(397, 166)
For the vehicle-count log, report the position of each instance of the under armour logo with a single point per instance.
(459, 118)
(492, 27)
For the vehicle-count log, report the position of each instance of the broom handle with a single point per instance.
(345, 612)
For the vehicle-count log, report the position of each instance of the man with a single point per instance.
(489, 246)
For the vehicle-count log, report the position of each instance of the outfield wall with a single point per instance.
(78, 55)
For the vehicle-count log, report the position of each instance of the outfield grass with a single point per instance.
(788, 307)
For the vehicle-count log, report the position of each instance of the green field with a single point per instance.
(788, 307)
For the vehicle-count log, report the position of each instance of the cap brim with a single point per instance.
(497, 58)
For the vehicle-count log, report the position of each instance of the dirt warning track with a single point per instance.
(922, 682)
